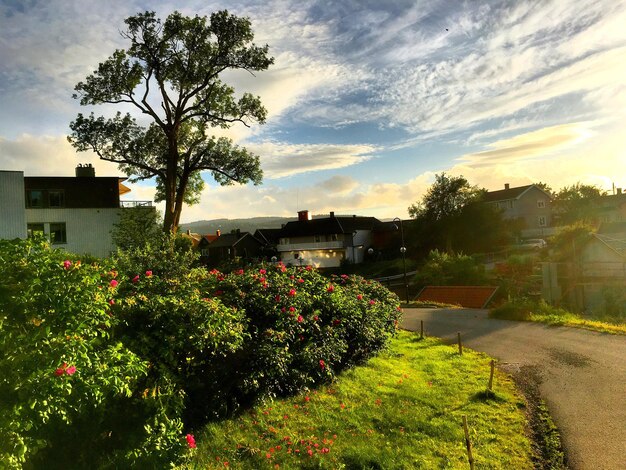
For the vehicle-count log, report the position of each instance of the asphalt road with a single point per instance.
(582, 375)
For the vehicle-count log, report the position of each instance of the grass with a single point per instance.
(544, 313)
(400, 410)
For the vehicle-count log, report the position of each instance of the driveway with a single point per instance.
(583, 375)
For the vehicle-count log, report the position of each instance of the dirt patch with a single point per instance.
(546, 441)
(569, 358)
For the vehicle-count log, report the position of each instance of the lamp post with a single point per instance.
(403, 251)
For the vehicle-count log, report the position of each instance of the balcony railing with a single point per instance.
(130, 204)
(311, 246)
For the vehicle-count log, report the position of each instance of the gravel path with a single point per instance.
(582, 375)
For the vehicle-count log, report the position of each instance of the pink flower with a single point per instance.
(344, 276)
(331, 288)
(300, 319)
(113, 283)
(322, 364)
(372, 302)
(70, 370)
(292, 309)
(136, 278)
(359, 297)
(325, 450)
(191, 441)
(67, 264)
(240, 271)
(262, 271)
(292, 293)
(310, 452)
(112, 302)
(308, 268)
(148, 273)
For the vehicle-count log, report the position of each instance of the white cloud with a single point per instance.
(279, 159)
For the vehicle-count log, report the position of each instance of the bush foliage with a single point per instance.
(119, 359)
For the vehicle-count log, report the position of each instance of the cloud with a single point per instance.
(339, 184)
(279, 160)
(540, 143)
(48, 156)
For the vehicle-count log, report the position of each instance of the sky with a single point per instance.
(367, 100)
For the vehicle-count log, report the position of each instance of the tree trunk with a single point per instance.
(169, 218)
(180, 199)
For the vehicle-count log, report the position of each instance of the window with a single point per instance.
(56, 198)
(541, 204)
(542, 221)
(34, 198)
(204, 252)
(318, 238)
(34, 229)
(283, 241)
(57, 233)
(511, 204)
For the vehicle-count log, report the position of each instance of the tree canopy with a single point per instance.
(453, 217)
(577, 203)
(170, 73)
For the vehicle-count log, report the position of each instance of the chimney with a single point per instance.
(332, 214)
(506, 185)
(303, 216)
(218, 232)
(85, 171)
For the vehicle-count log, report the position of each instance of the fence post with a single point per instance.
(468, 444)
(460, 345)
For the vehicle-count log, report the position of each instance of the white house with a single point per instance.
(75, 213)
(326, 242)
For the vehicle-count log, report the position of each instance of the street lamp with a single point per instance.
(403, 251)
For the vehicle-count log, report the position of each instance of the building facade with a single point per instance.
(74, 213)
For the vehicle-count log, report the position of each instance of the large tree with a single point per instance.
(577, 203)
(170, 73)
(453, 217)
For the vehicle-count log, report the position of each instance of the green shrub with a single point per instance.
(457, 269)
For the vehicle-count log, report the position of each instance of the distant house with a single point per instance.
(203, 246)
(74, 213)
(529, 205)
(326, 242)
(232, 246)
(599, 266)
(610, 208)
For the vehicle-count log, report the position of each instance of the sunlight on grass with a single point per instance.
(402, 409)
(576, 321)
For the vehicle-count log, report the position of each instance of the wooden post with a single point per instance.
(468, 444)
(491, 375)
(421, 329)
(460, 345)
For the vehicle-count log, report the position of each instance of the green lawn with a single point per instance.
(401, 410)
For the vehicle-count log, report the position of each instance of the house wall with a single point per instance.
(355, 251)
(88, 231)
(12, 204)
(527, 208)
(317, 258)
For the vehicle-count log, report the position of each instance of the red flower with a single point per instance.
(322, 364)
(300, 319)
(262, 280)
(67, 264)
(316, 318)
(331, 288)
(191, 441)
(268, 455)
(336, 322)
(219, 292)
(292, 309)
(372, 302)
(262, 271)
(61, 370)
(136, 278)
(359, 297)
(292, 292)
(300, 281)
(277, 298)
(325, 450)
(310, 452)
(148, 273)
(113, 283)
(70, 370)
(308, 268)
(112, 302)
(307, 398)
(240, 271)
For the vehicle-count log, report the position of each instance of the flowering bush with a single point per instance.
(118, 362)
(303, 327)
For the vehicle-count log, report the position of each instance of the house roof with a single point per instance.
(228, 240)
(268, 235)
(465, 296)
(615, 241)
(328, 225)
(511, 193)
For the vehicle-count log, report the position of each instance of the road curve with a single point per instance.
(583, 375)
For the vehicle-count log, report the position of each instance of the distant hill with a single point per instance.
(205, 227)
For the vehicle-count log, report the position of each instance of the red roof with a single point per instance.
(465, 296)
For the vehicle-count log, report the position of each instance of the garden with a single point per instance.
(116, 362)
